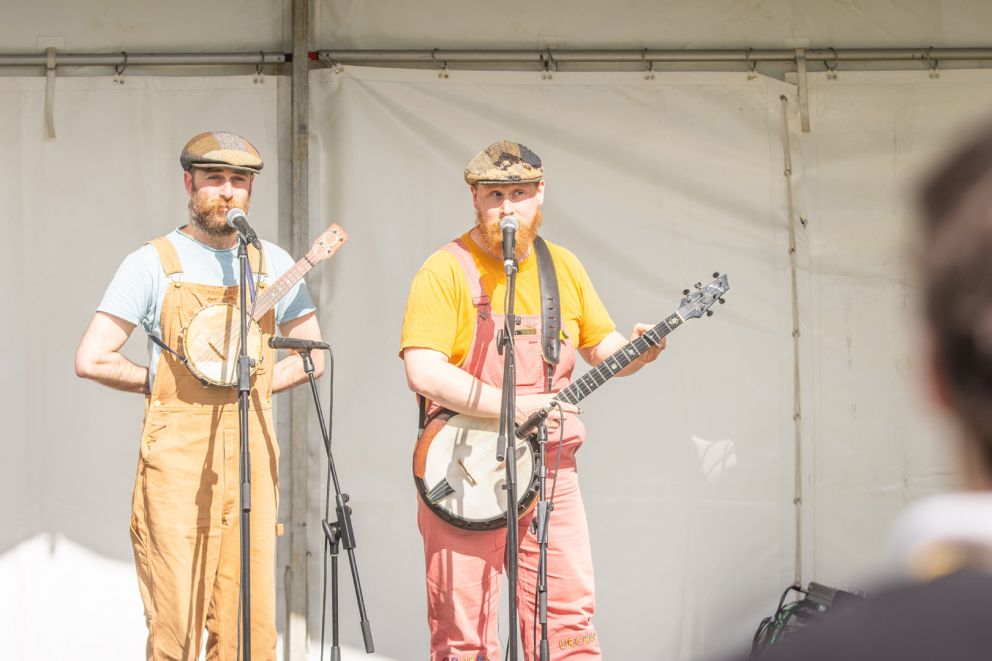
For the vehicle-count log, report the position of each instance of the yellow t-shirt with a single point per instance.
(440, 314)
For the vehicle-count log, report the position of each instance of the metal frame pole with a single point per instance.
(297, 611)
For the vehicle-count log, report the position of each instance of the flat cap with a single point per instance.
(221, 149)
(504, 162)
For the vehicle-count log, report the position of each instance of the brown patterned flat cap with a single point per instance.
(504, 162)
(221, 149)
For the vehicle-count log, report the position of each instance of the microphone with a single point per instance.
(526, 428)
(237, 219)
(509, 225)
(296, 344)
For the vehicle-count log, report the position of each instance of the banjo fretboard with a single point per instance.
(621, 358)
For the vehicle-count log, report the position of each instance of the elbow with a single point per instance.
(413, 384)
(417, 383)
(84, 365)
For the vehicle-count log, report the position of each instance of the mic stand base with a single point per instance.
(340, 531)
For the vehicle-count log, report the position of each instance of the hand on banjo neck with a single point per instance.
(531, 407)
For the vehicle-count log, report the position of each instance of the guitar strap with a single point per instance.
(183, 360)
(550, 308)
(422, 419)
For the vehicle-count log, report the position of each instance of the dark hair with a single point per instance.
(956, 261)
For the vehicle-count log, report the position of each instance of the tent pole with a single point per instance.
(297, 639)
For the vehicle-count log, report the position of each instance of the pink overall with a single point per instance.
(464, 567)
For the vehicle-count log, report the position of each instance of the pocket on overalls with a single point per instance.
(152, 435)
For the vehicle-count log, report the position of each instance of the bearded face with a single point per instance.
(493, 202)
(208, 207)
(491, 236)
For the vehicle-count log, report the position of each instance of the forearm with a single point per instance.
(289, 371)
(457, 390)
(115, 371)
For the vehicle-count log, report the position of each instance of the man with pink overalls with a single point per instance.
(453, 311)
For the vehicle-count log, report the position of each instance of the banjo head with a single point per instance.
(210, 343)
(462, 456)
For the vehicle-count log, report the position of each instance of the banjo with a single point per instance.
(454, 462)
(210, 340)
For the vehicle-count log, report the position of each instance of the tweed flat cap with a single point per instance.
(504, 162)
(221, 149)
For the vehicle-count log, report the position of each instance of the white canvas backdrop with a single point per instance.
(873, 444)
(654, 184)
(72, 208)
(387, 166)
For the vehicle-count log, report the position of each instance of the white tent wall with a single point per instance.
(873, 443)
(191, 26)
(343, 24)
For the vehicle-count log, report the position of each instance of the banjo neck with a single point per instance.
(694, 305)
(267, 299)
(328, 243)
(617, 361)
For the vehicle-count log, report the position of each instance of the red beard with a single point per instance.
(491, 236)
(210, 216)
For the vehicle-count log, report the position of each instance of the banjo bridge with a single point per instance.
(469, 475)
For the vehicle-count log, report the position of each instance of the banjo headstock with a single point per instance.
(697, 303)
(328, 243)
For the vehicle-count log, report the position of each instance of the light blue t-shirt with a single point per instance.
(138, 288)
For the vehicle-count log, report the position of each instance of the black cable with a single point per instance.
(547, 523)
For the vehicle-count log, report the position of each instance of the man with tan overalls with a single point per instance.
(453, 311)
(185, 523)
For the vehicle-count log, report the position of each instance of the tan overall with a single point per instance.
(185, 524)
(464, 567)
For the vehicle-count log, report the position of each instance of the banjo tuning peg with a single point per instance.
(685, 292)
(709, 313)
(716, 274)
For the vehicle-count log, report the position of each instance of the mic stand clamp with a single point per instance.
(340, 532)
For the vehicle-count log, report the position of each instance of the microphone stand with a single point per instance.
(506, 449)
(340, 532)
(244, 389)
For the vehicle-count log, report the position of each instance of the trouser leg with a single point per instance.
(175, 537)
(571, 586)
(222, 619)
(463, 581)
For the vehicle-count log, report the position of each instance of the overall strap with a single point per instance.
(168, 256)
(550, 306)
(479, 299)
(172, 266)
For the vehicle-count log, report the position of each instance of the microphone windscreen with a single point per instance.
(234, 214)
(508, 222)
